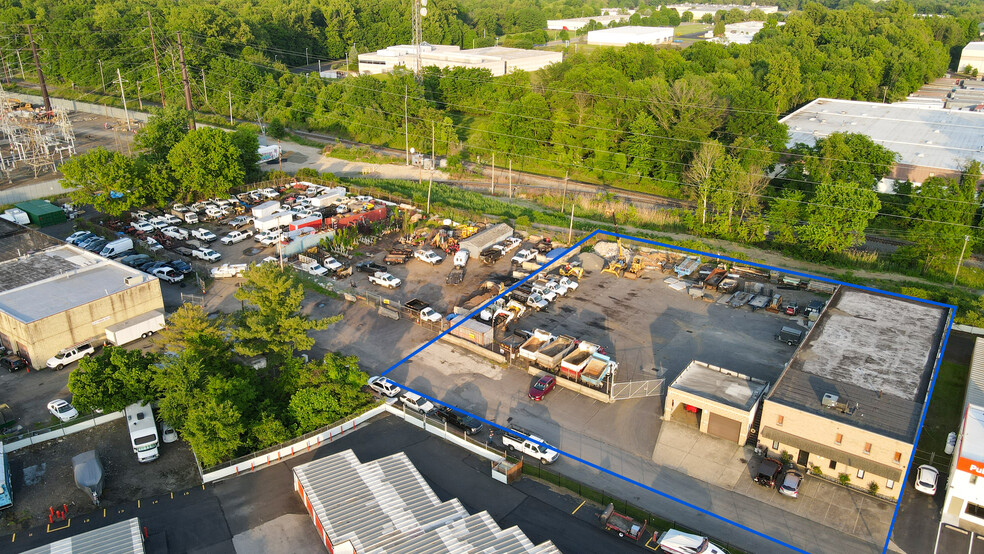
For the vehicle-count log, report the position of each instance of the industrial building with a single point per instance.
(576, 23)
(485, 238)
(963, 506)
(497, 59)
(850, 400)
(386, 506)
(700, 10)
(623, 36)
(724, 403)
(738, 33)
(59, 296)
(930, 142)
(972, 55)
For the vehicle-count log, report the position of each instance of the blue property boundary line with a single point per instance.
(922, 417)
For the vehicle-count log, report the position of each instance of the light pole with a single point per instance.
(306, 60)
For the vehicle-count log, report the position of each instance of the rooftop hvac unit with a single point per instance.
(133, 280)
(829, 400)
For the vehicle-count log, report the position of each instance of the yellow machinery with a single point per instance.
(635, 270)
(571, 270)
(617, 266)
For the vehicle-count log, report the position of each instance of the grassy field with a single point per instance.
(945, 407)
(687, 28)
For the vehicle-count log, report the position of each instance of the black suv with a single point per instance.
(370, 267)
(768, 472)
(466, 423)
(13, 363)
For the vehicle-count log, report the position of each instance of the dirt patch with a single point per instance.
(42, 475)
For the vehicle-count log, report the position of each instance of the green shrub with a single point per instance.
(873, 488)
(844, 479)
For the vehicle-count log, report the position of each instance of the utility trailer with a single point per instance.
(456, 276)
(624, 525)
(398, 256)
(89, 474)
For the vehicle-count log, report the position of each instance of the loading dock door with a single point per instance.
(723, 427)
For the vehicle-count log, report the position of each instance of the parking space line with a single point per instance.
(68, 523)
(13, 537)
(138, 503)
(578, 507)
(650, 544)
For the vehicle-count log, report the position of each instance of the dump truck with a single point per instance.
(597, 370)
(537, 340)
(573, 364)
(135, 328)
(549, 356)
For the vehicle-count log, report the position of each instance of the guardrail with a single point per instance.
(31, 438)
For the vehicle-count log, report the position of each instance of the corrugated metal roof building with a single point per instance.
(119, 538)
(385, 506)
(485, 238)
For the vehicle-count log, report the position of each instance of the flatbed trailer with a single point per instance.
(624, 525)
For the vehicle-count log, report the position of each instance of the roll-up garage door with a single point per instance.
(723, 427)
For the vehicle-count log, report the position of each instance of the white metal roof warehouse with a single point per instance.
(119, 538)
(623, 36)
(385, 506)
(929, 141)
(972, 55)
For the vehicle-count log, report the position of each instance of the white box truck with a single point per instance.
(143, 431)
(139, 327)
(273, 221)
(265, 209)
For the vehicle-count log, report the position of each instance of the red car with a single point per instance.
(542, 387)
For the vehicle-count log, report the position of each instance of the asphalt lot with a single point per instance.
(42, 475)
(250, 512)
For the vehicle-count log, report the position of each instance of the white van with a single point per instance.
(461, 258)
(114, 247)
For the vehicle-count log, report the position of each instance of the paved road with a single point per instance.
(213, 518)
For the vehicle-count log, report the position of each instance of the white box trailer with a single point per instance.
(135, 328)
(143, 431)
(273, 221)
(266, 209)
(328, 197)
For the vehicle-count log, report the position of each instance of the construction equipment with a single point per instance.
(572, 270)
(635, 270)
(445, 240)
(617, 266)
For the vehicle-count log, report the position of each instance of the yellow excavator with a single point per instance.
(617, 266)
(635, 269)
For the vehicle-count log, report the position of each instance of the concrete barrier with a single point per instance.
(474, 348)
(60, 432)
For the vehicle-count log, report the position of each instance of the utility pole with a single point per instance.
(570, 232)
(430, 182)
(493, 173)
(20, 64)
(37, 63)
(187, 86)
(406, 123)
(959, 263)
(157, 65)
(204, 86)
(139, 99)
(230, 107)
(563, 202)
(126, 113)
(510, 178)
(102, 76)
(319, 66)
(306, 60)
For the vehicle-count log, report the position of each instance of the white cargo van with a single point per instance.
(113, 248)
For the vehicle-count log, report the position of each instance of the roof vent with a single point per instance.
(829, 400)
(132, 280)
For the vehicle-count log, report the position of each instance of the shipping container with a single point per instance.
(42, 212)
(473, 331)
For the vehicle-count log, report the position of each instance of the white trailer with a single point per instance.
(273, 221)
(329, 197)
(265, 209)
(143, 431)
(139, 327)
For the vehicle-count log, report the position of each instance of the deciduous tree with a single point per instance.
(113, 380)
(837, 216)
(205, 164)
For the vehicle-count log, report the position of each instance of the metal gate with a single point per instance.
(637, 389)
(196, 299)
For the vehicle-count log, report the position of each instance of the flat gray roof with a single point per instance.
(876, 353)
(386, 506)
(720, 385)
(922, 136)
(119, 538)
(45, 283)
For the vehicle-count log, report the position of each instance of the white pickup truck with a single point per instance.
(204, 234)
(384, 279)
(236, 236)
(428, 256)
(521, 440)
(206, 254)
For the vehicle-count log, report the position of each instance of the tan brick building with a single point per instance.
(62, 296)
(850, 400)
